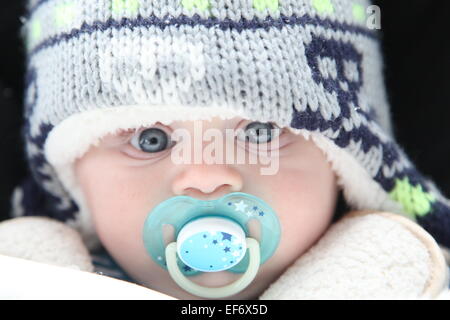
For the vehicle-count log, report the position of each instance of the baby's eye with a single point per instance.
(151, 140)
(259, 132)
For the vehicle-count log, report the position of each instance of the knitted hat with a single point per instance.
(313, 66)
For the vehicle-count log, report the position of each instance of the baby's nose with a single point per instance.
(207, 181)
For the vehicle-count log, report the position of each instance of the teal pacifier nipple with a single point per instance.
(212, 236)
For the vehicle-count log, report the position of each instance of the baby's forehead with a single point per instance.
(213, 121)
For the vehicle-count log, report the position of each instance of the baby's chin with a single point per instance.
(211, 279)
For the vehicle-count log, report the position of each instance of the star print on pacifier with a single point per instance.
(211, 244)
(212, 236)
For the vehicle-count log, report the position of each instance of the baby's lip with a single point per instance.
(218, 193)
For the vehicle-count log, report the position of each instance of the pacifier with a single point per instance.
(212, 236)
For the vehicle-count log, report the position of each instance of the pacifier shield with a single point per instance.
(237, 207)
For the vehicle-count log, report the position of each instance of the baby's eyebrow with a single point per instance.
(117, 138)
(124, 132)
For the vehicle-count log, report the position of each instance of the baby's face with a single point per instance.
(128, 174)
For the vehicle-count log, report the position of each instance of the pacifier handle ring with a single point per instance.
(221, 292)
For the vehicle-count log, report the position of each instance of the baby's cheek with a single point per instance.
(119, 218)
(304, 201)
(113, 203)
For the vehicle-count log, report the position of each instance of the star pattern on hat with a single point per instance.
(261, 5)
(414, 199)
(358, 12)
(199, 4)
(323, 6)
(65, 14)
(121, 6)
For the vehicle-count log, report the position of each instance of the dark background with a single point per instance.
(416, 47)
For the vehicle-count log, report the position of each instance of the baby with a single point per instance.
(118, 90)
(125, 176)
